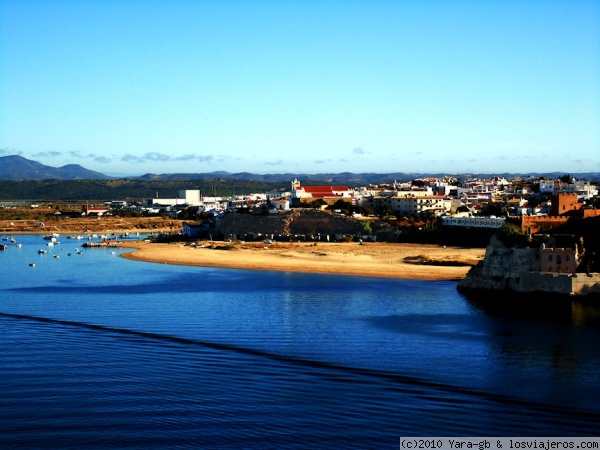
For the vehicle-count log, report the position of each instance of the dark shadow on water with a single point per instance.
(554, 308)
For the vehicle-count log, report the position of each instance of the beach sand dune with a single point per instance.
(414, 261)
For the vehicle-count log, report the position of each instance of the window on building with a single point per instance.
(567, 258)
(549, 257)
(558, 259)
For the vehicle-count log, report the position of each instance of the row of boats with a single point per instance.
(11, 240)
(44, 252)
(52, 239)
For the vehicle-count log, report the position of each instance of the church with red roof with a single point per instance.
(329, 194)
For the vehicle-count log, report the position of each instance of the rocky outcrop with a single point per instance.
(501, 267)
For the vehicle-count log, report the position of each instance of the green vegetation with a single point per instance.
(134, 190)
(511, 235)
(566, 178)
(593, 202)
(364, 227)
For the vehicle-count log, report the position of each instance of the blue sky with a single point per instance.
(131, 86)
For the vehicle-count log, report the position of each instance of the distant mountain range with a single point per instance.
(18, 168)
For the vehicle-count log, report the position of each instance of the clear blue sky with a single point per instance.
(137, 86)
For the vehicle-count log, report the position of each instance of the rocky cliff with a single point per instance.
(501, 267)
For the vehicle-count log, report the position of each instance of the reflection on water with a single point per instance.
(585, 314)
(534, 306)
(545, 341)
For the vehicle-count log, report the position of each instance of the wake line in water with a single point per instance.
(404, 379)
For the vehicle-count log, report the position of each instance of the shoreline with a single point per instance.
(382, 260)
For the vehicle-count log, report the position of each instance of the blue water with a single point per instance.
(98, 351)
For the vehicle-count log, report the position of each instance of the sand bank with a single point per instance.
(414, 261)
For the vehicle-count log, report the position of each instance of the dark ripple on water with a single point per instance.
(72, 385)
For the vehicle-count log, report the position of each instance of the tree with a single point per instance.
(565, 178)
(511, 235)
(383, 210)
(365, 211)
(493, 209)
(429, 218)
(341, 204)
(510, 229)
(533, 201)
(594, 202)
(364, 227)
(318, 203)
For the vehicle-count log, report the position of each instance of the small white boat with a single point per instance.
(42, 252)
(31, 264)
(19, 245)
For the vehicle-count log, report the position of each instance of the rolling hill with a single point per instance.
(18, 168)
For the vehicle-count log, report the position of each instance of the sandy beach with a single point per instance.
(413, 261)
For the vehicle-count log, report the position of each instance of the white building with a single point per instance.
(473, 221)
(216, 204)
(186, 197)
(546, 186)
(414, 205)
(190, 230)
(191, 197)
(166, 202)
(584, 189)
(282, 204)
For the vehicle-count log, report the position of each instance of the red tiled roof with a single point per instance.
(323, 189)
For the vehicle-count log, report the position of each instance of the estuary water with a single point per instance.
(98, 351)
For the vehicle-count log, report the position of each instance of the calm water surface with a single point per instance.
(100, 351)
